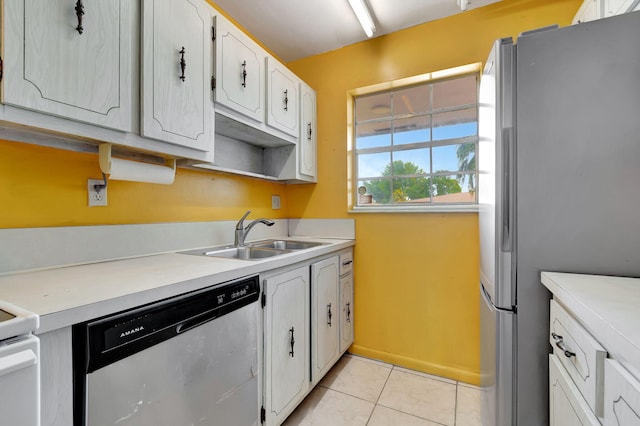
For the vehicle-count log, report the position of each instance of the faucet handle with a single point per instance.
(240, 224)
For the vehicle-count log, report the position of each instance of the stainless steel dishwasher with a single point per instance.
(188, 360)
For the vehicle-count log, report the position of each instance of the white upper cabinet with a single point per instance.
(239, 71)
(616, 7)
(177, 104)
(589, 11)
(282, 98)
(70, 59)
(307, 144)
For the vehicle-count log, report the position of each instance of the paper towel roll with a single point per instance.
(135, 171)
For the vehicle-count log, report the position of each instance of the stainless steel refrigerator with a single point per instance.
(559, 190)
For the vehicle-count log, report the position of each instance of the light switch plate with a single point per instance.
(275, 202)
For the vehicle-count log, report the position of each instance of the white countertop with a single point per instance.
(608, 307)
(69, 295)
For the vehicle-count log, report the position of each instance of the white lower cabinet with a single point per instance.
(325, 333)
(621, 396)
(308, 325)
(286, 342)
(346, 299)
(566, 405)
(594, 367)
(346, 315)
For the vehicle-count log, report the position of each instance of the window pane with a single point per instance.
(455, 124)
(375, 106)
(373, 135)
(455, 92)
(411, 190)
(453, 158)
(374, 165)
(411, 162)
(412, 101)
(379, 189)
(453, 189)
(411, 130)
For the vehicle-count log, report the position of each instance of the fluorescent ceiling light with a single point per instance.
(362, 13)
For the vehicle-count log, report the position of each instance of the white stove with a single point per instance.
(19, 367)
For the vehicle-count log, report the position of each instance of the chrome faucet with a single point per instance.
(241, 231)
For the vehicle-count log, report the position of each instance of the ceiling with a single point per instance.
(295, 29)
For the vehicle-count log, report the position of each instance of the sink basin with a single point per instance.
(285, 244)
(245, 253)
(254, 251)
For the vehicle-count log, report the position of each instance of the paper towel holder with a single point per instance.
(136, 171)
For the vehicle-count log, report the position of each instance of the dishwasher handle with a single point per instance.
(197, 320)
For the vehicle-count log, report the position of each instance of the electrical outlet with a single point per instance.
(275, 202)
(96, 198)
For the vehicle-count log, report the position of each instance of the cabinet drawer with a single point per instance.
(580, 354)
(621, 396)
(566, 405)
(346, 262)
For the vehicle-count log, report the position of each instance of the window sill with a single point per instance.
(450, 208)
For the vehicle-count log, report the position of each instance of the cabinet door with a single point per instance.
(589, 11)
(240, 82)
(325, 317)
(282, 98)
(53, 66)
(621, 396)
(177, 104)
(566, 405)
(616, 7)
(307, 145)
(346, 314)
(286, 342)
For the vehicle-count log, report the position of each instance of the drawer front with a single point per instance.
(580, 354)
(621, 396)
(566, 405)
(346, 262)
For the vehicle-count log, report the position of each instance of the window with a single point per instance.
(414, 147)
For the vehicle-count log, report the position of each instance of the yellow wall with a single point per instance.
(416, 277)
(416, 301)
(48, 187)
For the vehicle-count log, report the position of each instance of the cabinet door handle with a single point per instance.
(347, 262)
(286, 100)
(329, 314)
(292, 342)
(560, 344)
(348, 311)
(244, 74)
(309, 131)
(79, 12)
(183, 63)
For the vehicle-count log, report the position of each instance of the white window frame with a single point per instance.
(395, 85)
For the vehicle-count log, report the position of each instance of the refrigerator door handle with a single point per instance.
(507, 190)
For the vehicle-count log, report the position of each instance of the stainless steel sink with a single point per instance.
(286, 244)
(244, 253)
(256, 250)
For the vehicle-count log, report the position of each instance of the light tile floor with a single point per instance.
(360, 391)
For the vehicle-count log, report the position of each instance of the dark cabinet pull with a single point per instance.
(309, 131)
(291, 342)
(560, 344)
(183, 63)
(244, 76)
(79, 13)
(286, 100)
(347, 262)
(348, 311)
(329, 314)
